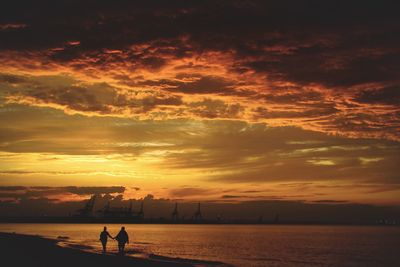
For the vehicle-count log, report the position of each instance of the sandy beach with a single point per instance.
(26, 250)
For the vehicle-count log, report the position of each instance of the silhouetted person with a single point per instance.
(122, 238)
(103, 238)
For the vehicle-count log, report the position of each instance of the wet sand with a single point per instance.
(31, 251)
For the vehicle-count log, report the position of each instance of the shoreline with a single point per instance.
(215, 224)
(33, 250)
(62, 220)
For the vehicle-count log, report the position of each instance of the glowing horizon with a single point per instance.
(159, 101)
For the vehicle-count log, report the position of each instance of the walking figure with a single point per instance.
(103, 238)
(122, 238)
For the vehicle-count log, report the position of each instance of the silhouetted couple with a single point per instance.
(122, 239)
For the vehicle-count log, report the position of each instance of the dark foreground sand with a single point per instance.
(32, 251)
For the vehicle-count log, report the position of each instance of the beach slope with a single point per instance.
(32, 251)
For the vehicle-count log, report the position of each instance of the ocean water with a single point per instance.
(240, 245)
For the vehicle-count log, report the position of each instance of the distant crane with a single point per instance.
(108, 212)
(87, 211)
(140, 214)
(106, 209)
(175, 214)
(197, 216)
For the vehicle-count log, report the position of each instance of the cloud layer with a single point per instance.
(186, 159)
(331, 67)
(221, 101)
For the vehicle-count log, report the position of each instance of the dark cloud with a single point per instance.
(293, 95)
(231, 196)
(203, 85)
(387, 95)
(12, 188)
(306, 68)
(188, 191)
(299, 41)
(209, 108)
(310, 113)
(186, 83)
(256, 50)
(26, 192)
(11, 79)
(97, 98)
(328, 201)
(94, 190)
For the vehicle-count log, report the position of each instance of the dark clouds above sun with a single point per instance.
(329, 66)
(200, 99)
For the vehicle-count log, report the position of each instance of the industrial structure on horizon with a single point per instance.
(109, 212)
(127, 214)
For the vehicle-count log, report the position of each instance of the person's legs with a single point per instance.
(122, 248)
(104, 246)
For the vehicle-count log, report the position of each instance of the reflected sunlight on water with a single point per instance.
(240, 245)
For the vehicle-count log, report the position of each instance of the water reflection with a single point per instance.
(241, 245)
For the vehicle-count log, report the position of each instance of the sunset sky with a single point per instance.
(218, 101)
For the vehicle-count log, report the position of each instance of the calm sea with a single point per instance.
(242, 245)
